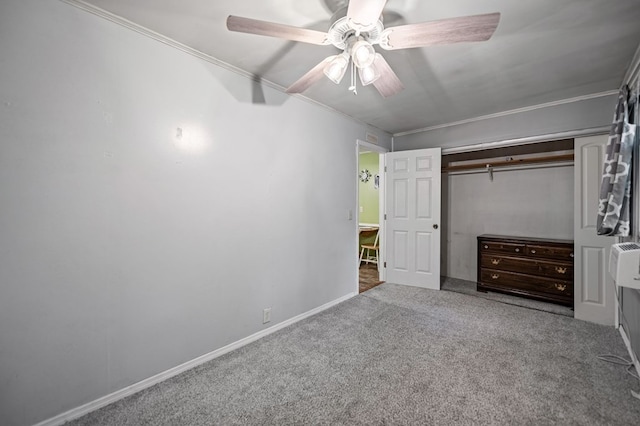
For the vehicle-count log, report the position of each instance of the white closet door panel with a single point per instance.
(593, 287)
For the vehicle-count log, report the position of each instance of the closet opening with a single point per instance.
(520, 191)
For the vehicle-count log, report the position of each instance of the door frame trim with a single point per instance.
(367, 146)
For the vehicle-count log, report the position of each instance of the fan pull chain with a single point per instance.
(353, 79)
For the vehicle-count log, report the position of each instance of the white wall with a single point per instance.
(588, 113)
(528, 203)
(126, 250)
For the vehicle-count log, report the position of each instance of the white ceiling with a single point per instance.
(542, 51)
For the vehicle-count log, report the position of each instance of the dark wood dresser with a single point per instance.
(531, 267)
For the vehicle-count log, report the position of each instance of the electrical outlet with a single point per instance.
(266, 315)
(361, 209)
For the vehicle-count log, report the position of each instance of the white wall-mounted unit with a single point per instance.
(624, 264)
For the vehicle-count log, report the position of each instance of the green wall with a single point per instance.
(369, 195)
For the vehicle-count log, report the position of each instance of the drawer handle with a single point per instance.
(486, 246)
(495, 276)
(533, 251)
(517, 250)
(561, 287)
(561, 270)
(495, 261)
(571, 255)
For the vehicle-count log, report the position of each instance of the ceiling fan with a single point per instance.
(356, 29)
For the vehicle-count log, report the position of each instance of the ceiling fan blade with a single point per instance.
(444, 31)
(388, 84)
(315, 74)
(365, 13)
(271, 29)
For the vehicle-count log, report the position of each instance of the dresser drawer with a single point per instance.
(551, 252)
(527, 283)
(500, 247)
(540, 267)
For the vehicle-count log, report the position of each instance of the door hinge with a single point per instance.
(385, 169)
(385, 216)
(385, 264)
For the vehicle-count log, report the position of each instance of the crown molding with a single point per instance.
(119, 20)
(95, 10)
(510, 112)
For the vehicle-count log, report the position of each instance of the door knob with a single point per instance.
(435, 226)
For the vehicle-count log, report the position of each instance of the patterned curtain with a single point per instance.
(615, 190)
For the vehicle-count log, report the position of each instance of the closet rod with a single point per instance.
(547, 159)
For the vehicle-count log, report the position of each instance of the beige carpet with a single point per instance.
(400, 355)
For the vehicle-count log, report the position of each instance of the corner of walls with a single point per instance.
(632, 76)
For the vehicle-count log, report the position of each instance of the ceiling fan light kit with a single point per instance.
(356, 30)
(337, 67)
(368, 75)
(363, 53)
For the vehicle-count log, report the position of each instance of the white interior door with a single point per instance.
(594, 295)
(413, 217)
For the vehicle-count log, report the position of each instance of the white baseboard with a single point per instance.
(160, 377)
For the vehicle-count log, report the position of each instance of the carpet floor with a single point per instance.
(402, 355)
(470, 288)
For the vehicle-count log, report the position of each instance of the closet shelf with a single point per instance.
(515, 162)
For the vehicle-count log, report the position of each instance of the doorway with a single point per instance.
(370, 215)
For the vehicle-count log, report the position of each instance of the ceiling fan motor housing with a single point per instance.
(341, 32)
